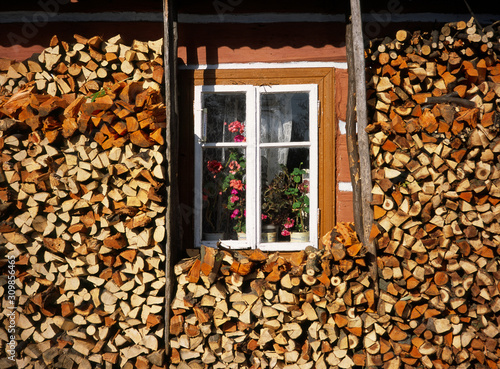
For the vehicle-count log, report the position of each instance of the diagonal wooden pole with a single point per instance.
(352, 138)
(172, 247)
(363, 141)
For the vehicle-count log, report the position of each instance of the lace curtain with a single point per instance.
(275, 126)
(284, 117)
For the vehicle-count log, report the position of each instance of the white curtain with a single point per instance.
(275, 126)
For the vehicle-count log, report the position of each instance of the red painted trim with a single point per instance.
(342, 159)
(251, 43)
(30, 38)
(20, 53)
(344, 207)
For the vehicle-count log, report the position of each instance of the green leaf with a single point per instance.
(97, 94)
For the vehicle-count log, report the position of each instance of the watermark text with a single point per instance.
(11, 306)
(31, 25)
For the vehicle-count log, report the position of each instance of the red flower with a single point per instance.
(214, 166)
(236, 126)
(240, 138)
(234, 166)
(289, 223)
(304, 187)
(236, 184)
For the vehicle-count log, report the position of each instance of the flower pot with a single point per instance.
(213, 236)
(299, 236)
(242, 236)
(268, 233)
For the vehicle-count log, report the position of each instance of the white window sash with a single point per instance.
(312, 90)
(199, 145)
(253, 177)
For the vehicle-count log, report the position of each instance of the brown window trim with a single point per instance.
(327, 131)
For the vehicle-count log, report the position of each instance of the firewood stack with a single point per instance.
(435, 147)
(301, 310)
(113, 116)
(83, 67)
(82, 209)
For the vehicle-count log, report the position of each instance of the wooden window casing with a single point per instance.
(324, 78)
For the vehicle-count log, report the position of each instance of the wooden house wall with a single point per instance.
(199, 44)
(227, 41)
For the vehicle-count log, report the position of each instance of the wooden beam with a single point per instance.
(363, 141)
(173, 250)
(352, 140)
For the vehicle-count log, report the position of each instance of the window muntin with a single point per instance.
(280, 127)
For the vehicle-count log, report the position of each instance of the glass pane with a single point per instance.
(285, 194)
(284, 117)
(224, 193)
(220, 110)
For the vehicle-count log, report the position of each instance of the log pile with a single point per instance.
(435, 148)
(84, 66)
(119, 113)
(82, 209)
(302, 310)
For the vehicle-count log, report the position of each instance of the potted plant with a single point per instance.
(275, 206)
(214, 213)
(235, 189)
(298, 193)
(224, 190)
(286, 203)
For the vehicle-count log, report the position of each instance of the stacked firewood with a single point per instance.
(435, 148)
(115, 115)
(82, 210)
(301, 310)
(84, 66)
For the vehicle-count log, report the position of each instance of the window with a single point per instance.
(263, 129)
(256, 174)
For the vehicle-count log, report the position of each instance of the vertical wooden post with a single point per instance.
(363, 141)
(363, 144)
(172, 247)
(352, 139)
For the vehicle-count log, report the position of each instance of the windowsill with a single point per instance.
(268, 246)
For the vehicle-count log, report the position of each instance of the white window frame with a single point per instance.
(253, 180)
